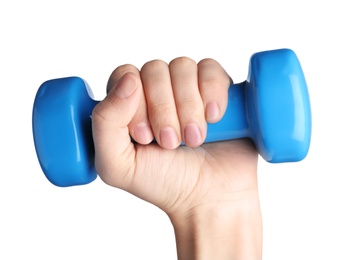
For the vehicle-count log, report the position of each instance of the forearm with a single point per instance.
(220, 231)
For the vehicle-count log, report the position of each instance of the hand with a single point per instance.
(172, 103)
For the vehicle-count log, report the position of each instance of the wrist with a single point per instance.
(221, 230)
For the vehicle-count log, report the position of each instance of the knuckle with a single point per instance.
(191, 109)
(182, 62)
(208, 62)
(188, 103)
(215, 83)
(162, 114)
(153, 65)
(122, 70)
(214, 73)
(118, 73)
(163, 109)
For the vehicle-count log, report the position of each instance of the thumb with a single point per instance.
(114, 151)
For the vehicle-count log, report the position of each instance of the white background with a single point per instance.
(41, 40)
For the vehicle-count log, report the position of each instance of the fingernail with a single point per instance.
(192, 135)
(212, 111)
(143, 133)
(125, 87)
(169, 138)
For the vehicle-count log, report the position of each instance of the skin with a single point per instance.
(209, 191)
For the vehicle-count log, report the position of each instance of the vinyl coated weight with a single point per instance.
(271, 107)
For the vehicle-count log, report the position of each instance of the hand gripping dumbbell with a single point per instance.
(271, 107)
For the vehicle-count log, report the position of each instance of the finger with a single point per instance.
(114, 151)
(160, 103)
(139, 127)
(189, 105)
(118, 73)
(213, 84)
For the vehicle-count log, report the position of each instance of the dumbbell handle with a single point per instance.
(233, 124)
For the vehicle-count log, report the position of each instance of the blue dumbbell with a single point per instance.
(271, 107)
